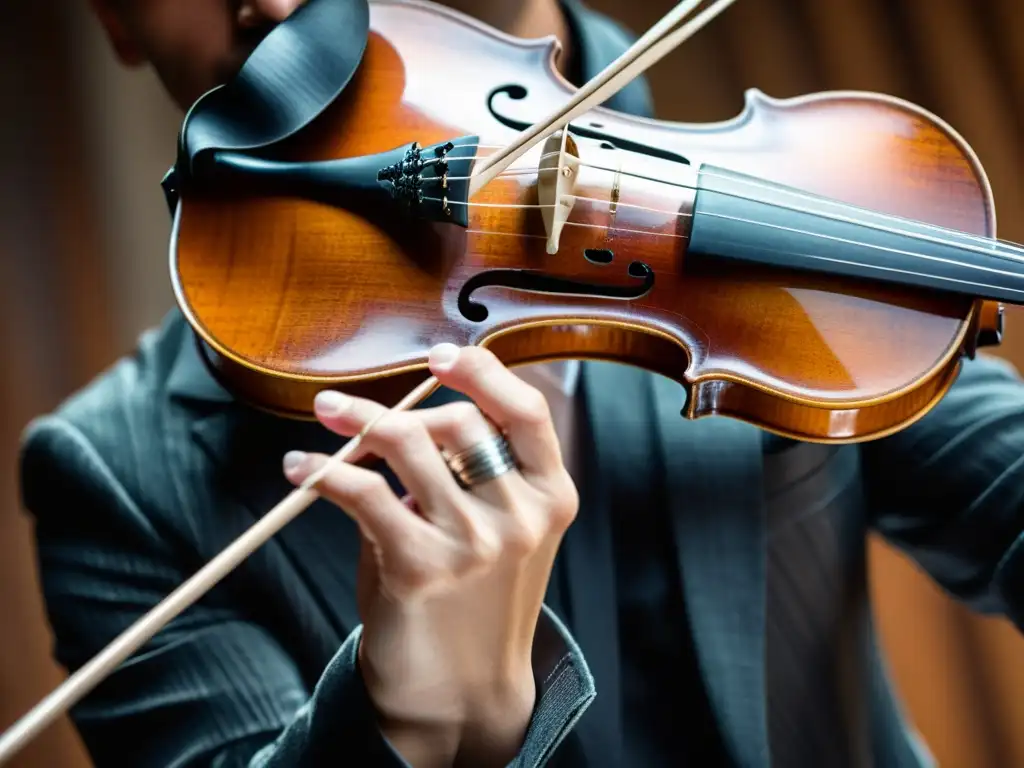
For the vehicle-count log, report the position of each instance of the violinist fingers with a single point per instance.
(366, 497)
(415, 558)
(406, 443)
(521, 411)
(454, 427)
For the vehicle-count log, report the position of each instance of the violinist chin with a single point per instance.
(546, 566)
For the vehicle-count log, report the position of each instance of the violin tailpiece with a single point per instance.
(429, 183)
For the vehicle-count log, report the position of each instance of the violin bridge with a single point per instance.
(556, 184)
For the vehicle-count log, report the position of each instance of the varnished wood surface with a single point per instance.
(292, 297)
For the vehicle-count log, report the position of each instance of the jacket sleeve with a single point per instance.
(949, 489)
(213, 688)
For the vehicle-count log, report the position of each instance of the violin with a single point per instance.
(817, 266)
(386, 175)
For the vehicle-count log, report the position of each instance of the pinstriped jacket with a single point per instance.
(142, 477)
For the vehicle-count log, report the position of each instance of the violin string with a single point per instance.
(915, 236)
(985, 248)
(800, 194)
(1016, 254)
(816, 257)
(604, 227)
(532, 206)
(620, 204)
(803, 195)
(986, 240)
(911, 235)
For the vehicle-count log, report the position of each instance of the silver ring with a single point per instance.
(482, 462)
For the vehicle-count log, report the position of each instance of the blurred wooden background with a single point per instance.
(83, 270)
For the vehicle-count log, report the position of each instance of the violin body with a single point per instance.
(290, 295)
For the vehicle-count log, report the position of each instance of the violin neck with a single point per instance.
(742, 217)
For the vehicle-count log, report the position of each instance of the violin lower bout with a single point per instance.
(700, 397)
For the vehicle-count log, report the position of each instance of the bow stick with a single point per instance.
(643, 54)
(649, 49)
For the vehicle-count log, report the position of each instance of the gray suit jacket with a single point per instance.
(145, 475)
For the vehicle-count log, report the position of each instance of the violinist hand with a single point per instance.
(451, 581)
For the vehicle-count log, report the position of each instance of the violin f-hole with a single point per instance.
(518, 93)
(538, 282)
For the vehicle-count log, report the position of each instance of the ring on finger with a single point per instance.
(482, 462)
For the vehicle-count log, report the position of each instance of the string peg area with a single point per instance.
(556, 184)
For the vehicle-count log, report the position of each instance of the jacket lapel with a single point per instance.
(714, 469)
(321, 544)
